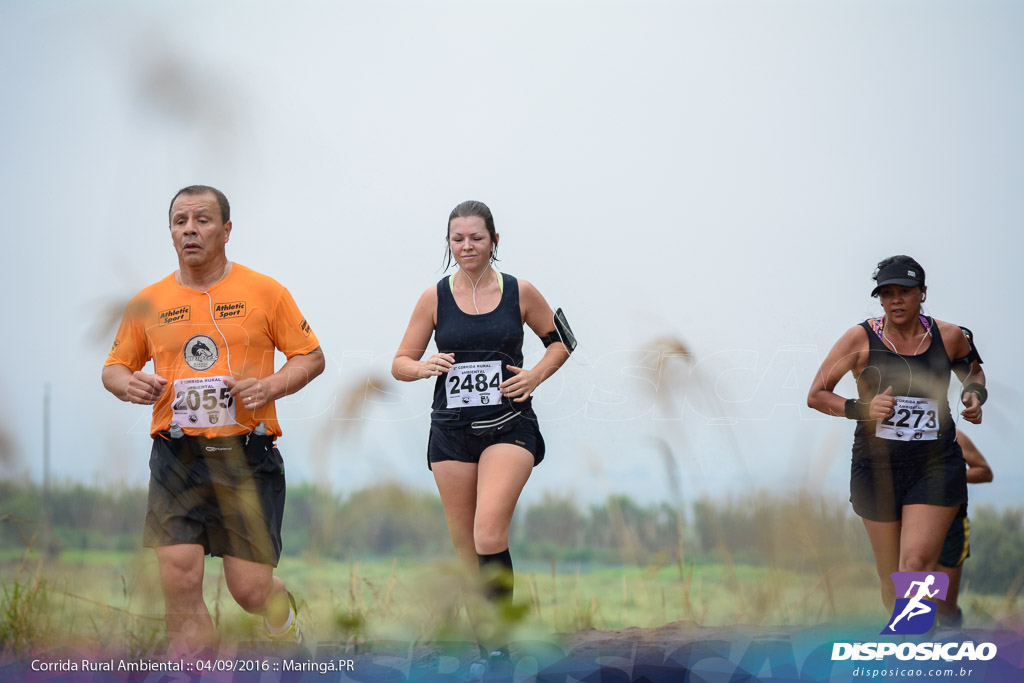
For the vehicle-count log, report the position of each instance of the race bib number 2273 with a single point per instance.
(914, 419)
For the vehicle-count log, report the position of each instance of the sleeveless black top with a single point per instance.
(925, 375)
(483, 345)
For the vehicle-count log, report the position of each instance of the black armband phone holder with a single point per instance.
(550, 338)
(563, 333)
(973, 354)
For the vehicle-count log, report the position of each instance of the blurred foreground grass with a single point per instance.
(110, 601)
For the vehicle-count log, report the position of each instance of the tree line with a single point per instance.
(800, 532)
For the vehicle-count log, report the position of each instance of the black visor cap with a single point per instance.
(897, 274)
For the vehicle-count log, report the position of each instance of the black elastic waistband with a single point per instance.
(223, 441)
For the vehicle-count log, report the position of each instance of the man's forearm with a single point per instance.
(295, 374)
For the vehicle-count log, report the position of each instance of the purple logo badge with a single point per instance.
(914, 612)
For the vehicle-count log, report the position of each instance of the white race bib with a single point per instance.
(915, 419)
(474, 384)
(203, 402)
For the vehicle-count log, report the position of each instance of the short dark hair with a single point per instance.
(191, 190)
(469, 209)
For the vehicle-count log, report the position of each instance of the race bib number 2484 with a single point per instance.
(474, 384)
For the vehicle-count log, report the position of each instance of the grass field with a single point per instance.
(111, 601)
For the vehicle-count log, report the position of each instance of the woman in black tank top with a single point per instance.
(908, 477)
(484, 440)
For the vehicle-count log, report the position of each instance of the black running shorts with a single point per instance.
(957, 546)
(879, 491)
(225, 494)
(466, 444)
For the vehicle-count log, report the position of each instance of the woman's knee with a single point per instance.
(914, 560)
(490, 537)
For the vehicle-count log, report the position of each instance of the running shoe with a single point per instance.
(293, 634)
(954, 622)
(498, 664)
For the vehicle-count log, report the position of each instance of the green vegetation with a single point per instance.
(378, 564)
(111, 601)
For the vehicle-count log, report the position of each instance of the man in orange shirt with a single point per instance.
(216, 478)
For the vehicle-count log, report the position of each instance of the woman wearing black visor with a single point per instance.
(908, 476)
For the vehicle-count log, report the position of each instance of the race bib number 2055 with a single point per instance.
(474, 384)
(203, 402)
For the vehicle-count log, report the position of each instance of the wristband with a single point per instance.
(975, 388)
(855, 410)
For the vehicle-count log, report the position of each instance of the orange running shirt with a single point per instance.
(233, 332)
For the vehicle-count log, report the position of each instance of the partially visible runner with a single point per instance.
(217, 481)
(957, 547)
(907, 478)
(484, 441)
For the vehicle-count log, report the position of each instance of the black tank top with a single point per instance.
(483, 345)
(926, 376)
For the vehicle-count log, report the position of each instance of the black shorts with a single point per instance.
(225, 494)
(957, 546)
(466, 444)
(879, 491)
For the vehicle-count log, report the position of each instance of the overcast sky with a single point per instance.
(724, 175)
